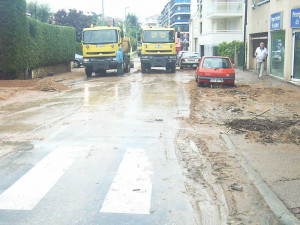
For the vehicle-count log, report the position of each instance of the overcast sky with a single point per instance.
(113, 8)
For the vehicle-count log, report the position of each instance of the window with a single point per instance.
(215, 63)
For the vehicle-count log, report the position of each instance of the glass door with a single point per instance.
(277, 53)
(296, 71)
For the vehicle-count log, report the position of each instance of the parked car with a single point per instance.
(179, 55)
(78, 60)
(189, 59)
(215, 69)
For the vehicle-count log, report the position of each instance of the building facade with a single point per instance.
(176, 14)
(277, 24)
(152, 21)
(214, 22)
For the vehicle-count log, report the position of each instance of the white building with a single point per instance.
(152, 21)
(214, 22)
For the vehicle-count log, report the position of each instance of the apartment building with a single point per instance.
(176, 14)
(214, 22)
(277, 24)
(152, 21)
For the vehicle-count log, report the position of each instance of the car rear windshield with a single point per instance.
(216, 63)
(190, 55)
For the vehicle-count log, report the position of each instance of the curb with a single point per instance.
(276, 205)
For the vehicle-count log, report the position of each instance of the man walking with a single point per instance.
(120, 61)
(261, 54)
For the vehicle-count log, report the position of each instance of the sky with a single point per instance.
(112, 8)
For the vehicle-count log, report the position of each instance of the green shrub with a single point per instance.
(228, 50)
(12, 38)
(78, 48)
(48, 44)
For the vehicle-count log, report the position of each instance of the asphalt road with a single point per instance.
(101, 153)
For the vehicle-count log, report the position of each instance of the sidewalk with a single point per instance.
(274, 154)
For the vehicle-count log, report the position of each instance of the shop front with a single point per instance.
(277, 52)
(295, 25)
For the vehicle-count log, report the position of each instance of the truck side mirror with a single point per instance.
(178, 34)
(139, 38)
(122, 34)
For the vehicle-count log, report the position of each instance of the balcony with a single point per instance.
(183, 11)
(225, 10)
(177, 2)
(173, 22)
(227, 31)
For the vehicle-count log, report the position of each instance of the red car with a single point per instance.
(215, 69)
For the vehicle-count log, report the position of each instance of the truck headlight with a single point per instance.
(173, 57)
(145, 57)
(114, 59)
(86, 60)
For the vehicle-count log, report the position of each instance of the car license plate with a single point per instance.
(99, 46)
(195, 65)
(217, 80)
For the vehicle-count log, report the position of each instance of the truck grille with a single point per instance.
(161, 51)
(98, 53)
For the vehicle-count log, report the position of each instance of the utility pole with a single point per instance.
(103, 9)
(245, 33)
(125, 30)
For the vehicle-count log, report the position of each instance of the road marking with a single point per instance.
(26, 193)
(131, 189)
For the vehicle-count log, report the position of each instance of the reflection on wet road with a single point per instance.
(101, 153)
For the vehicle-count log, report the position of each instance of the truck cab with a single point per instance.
(100, 46)
(158, 49)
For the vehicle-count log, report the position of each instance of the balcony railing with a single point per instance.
(182, 11)
(179, 2)
(224, 8)
(227, 31)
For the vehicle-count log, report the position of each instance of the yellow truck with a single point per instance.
(158, 49)
(139, 48)
(100, 46)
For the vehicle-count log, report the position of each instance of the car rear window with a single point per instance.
(190, 54)
(215, 63)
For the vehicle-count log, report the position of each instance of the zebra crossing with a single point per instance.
(130, 191)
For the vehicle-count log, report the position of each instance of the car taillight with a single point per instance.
(183, 60)
(199, 60)
(200, 74)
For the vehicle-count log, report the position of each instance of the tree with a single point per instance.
(74, 19)
(12, 38)
(39, 12)
(132, 29)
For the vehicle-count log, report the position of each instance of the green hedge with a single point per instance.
(228, 50)
(48, 44)
(12, 38)
(78, 48)
(27, 43)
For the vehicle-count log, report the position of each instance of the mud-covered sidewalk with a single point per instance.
(262, 119)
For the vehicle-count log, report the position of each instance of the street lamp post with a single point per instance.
(125, 30)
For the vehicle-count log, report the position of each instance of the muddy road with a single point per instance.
(137, 149)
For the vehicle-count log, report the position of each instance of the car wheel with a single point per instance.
(76, 64)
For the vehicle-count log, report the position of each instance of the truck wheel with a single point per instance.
(143, 68)
(102, 72)
(126, 68)
(88, 71)
(173, 68)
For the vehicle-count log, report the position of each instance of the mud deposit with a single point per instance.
(267, 131)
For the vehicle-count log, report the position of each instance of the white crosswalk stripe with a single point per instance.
(26, 193)
(131, 189)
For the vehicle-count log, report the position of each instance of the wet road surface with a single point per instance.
(101, 153)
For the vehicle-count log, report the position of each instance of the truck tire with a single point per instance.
(102, 72)
(127, 68)
(173, 68)
(144, 70)
(88, 71)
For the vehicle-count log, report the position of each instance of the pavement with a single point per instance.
(138, 149)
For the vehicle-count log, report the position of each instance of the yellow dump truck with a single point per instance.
(158, 48)
(100, 46)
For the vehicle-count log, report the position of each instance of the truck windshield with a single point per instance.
(100, 37)
(158, 36)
